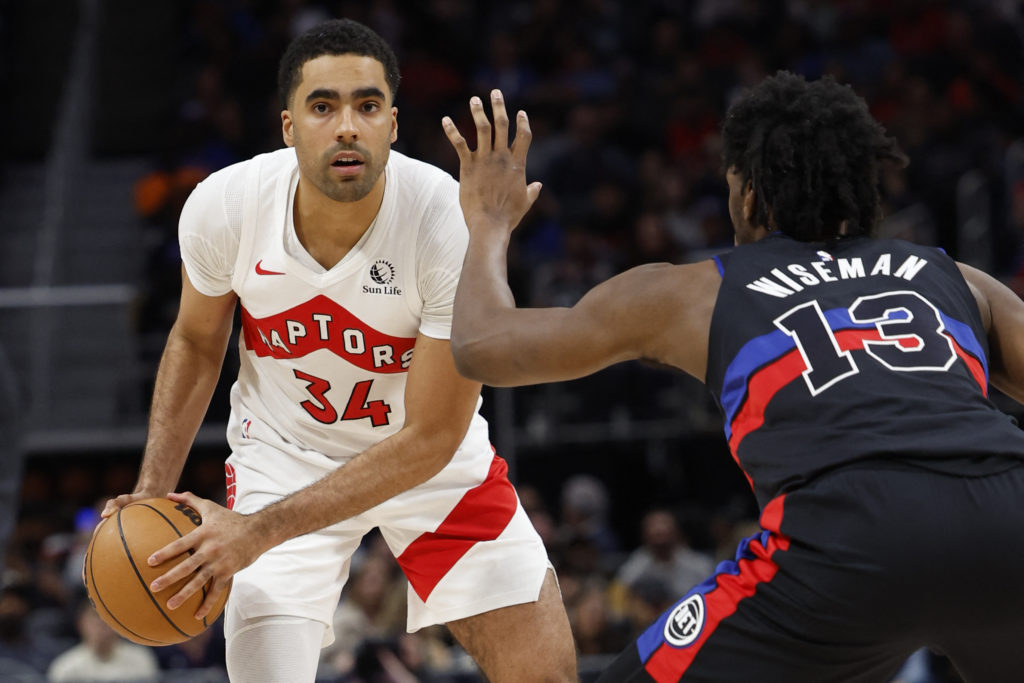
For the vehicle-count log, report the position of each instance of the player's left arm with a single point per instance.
(439, 406)
(659, 312)
(1002, 313)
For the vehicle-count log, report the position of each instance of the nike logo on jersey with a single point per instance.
(260, 270)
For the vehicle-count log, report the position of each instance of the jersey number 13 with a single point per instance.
(910, 337)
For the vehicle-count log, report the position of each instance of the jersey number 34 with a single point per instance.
(357, 407)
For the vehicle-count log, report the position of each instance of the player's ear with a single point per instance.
(394, 123)
(749, 201)
(286, 128)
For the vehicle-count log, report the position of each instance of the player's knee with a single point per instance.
(272, 649)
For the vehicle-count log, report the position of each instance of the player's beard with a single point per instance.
(350, 189)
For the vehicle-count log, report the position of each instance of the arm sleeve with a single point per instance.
(209, 228)
(441, 247)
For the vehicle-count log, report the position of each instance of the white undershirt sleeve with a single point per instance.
(441, 248)
(208, 230)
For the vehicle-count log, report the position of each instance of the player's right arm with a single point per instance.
(185, 380)
(1002, 312)
(194, 354)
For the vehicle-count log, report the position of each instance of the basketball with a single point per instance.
(118, 577)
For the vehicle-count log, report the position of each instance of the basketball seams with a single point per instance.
(91, 577)
(138, 574)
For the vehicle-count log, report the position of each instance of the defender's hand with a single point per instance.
(492, 178)
(221, 545)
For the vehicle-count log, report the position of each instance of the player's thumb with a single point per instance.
(533, 191)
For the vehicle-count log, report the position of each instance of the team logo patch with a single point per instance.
(685, 621)
(382, 272)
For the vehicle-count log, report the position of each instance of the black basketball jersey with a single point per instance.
(824, 354)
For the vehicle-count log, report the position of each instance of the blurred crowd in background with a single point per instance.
(625, 102)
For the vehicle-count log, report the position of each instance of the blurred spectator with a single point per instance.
(19, 648)
(102, 655)
(204, 652)
(585, 515)
(665, 556)
(645, 599)
(536, 509)
(595, 625)
(372, 606)
(85, 522)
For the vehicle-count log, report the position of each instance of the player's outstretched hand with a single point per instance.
(492, 178)
(221, 545)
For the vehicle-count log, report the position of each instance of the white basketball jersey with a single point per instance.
(325, 353)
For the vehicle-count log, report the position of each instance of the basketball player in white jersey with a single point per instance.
(348, 413)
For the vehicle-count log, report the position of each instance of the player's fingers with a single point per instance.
(115, 504)
(199, 580)
(182, 570)
(521, 143)
(212, 596)
(483, 126)
(532, 192)
(173, 549)
(455, 137)
(200, 505)
(500, 120)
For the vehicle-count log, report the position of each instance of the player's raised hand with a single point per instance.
(492, 178)
(220, 546)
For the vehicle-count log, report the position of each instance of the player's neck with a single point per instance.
(327, 228)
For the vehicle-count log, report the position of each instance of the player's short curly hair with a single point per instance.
(334, 37)
(812, 152)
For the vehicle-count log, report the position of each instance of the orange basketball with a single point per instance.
(118, 577)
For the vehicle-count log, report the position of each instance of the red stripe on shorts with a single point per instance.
(229, 485)
(668, 664)
(481, 515)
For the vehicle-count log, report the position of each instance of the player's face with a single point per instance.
(341, 123)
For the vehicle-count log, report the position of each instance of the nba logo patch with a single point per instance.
(685, 622)
(246, 423)
(825, 256)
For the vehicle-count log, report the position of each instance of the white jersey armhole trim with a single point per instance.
(250, 216)
(424, 270)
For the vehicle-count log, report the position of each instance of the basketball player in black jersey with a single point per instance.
(853, 375)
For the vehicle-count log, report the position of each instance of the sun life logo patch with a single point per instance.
(382, 272)
(685, 622)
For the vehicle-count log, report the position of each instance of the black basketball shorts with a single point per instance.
(850, 575)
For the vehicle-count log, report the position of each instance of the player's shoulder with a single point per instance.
(670, 284)
(673, 273)
(420, 179)
(231, 179)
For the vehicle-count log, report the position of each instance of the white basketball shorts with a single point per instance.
(462, 539)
